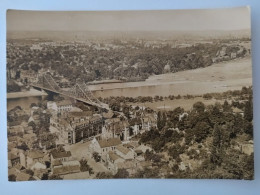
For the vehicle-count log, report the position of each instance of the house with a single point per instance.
(64, 106)
(16, 129)
(60, 107)
(129, 165)
(237, 111)
(104, 146)
(74, 127)
(124, 152)
(148, 121)
(247, 148)
(28, 76)
(29, 139)
(21, 176)
(115, 127)
(135, 124)
(13, 159)
(40, 173)
(60, 155)
(233, 55)
(38, 166)
(33, 157)
(108, 115)
(66, 133)
(112, 161)
(66, 167)
(52, 106)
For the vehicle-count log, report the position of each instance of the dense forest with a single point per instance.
(125, 61)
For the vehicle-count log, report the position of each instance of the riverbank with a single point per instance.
(219, 77)
(30, 93)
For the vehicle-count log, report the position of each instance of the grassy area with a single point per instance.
(168, 104)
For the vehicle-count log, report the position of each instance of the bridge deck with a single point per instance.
(104, 106)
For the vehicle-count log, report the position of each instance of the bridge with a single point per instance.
(79, 92)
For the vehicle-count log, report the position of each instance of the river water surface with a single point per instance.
(219, 77)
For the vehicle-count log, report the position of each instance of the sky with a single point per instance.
(167, 20)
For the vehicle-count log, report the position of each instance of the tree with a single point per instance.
(121, 173)
(226, 107)
(85, 167)
(96, 156)
(199, 107)
(248, 115)
(12, 177)
(103, 175)
(201, 131)
(33, 105)
(216, 156)
(23, 146)
(161, 120)
(54, 177)
(33, 125)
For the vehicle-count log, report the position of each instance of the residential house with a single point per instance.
(38, 166)
(124, 152)
(13, 159)
(148, 121)
(129, 165)
(60, 155)
(66, 167)
(28, 76)
(16, 129)
(115, 127)
(64, 106)
(34, 156)
(21, 176)
(104, 146)
(112, 161)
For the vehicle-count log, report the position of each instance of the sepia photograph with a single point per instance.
(129, 94)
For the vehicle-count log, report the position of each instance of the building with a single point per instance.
(38, 166)
(28, 76)
(124, 152)
(112, 161)
(60, 155)
(115, 128)
(64, 106)
(66, 167)
(148, 121)
(104, 146)
(129, 165)
(52, 106)
(13, 159)
(33, 157)
(21, 176)
(16, 129)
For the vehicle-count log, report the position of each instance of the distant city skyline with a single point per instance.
(152, 20)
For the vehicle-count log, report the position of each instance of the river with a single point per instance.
(220, 77)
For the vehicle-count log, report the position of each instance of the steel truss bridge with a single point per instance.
(78, 92)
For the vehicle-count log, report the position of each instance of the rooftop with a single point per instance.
(109, 142)
(22, 176)
(64, 103)
(122, 149)
(113, 156)
(60, 154)
(35, 154)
